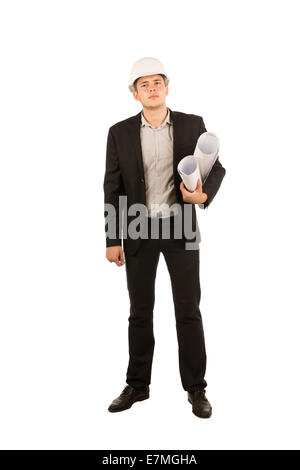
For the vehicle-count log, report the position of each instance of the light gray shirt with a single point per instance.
(157, 152)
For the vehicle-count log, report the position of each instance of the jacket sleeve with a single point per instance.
(214, 179)
(113, 188)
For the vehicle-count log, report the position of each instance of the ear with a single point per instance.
(135, 95)
(167, 90)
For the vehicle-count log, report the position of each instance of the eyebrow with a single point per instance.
(155, 80)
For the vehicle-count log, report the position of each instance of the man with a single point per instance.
(141, 166)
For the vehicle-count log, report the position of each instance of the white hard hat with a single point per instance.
(146, 66)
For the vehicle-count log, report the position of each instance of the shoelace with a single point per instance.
(200, 394)
(125, 391)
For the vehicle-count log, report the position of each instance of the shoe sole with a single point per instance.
(128, 407)
(200, 416)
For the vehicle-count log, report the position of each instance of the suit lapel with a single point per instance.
(176, 156)
(173, 116)
(136, 141)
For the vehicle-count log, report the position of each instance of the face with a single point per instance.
(151, 91)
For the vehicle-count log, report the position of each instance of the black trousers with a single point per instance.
(183, 267)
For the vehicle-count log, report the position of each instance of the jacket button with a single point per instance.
(142, 180)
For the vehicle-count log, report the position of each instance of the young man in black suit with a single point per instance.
(141, 165)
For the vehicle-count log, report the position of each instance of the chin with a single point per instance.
(156, 104)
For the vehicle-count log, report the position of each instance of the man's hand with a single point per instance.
(195, 197)
(115, 254)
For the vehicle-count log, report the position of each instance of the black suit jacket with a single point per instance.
(124, 173)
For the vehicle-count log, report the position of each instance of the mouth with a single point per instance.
(152, 97)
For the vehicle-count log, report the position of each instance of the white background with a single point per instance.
(64, 308)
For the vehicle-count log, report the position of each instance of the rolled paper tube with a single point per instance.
(206, 153)
(189, 171)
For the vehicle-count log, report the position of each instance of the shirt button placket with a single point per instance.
(156, 168)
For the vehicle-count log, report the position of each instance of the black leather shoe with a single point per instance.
(201, 406)
(127, 398)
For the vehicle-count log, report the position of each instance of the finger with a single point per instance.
(184, 190)
(120, 261)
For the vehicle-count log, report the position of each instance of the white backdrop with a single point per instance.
(64, 307)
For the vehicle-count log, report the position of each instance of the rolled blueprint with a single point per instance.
(206, 153)
(189, 171)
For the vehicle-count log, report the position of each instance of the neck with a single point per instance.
(156, 116)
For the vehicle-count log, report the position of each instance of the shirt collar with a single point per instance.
(146, 123)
